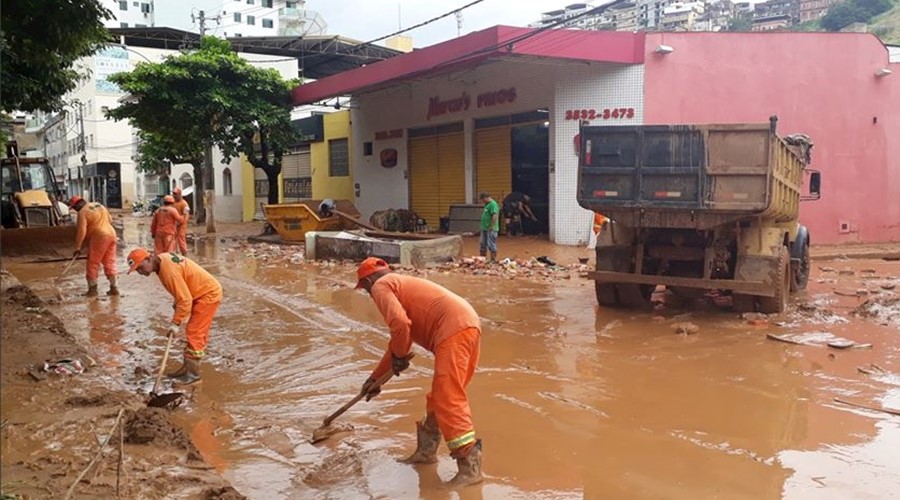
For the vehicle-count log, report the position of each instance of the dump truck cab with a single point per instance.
(697, 207)
(29, 194)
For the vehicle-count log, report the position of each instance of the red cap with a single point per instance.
(74, 200)
(135, 258)
(369, 267)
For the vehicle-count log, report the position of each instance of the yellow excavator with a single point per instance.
(35, 218)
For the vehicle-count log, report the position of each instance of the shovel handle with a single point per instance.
(162, 366)
(378, 383)
(66, 269)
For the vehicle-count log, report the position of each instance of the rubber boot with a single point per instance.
(92, 289)
(113, 286)
(191, 374)
(179, 372)
(493, 256)
(428, 438)
(469, 467)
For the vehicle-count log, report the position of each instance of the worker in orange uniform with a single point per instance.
(599, 221)
(417, 310)
(95, 227)
(182, 207)
(165, 226)
(197, 296)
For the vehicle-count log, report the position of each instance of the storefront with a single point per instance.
(100, 182)
(499, 111)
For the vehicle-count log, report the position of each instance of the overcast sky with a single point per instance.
(367, 19)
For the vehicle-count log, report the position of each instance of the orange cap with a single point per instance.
(74, 200)
(168, 199)
(135, 258)
(369, 267)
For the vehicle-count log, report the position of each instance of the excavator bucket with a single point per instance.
(42, 244)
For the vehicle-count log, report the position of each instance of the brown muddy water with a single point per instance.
(572, 401)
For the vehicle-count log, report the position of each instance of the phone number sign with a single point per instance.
(600, 114)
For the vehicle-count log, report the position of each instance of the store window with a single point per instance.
(338, 158)
(226, 181)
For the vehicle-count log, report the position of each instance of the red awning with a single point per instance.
(470, 50)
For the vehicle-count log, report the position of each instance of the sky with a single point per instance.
(368, 19)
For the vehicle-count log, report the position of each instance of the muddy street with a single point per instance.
(571, 400)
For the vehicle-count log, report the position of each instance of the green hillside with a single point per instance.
(887, 25)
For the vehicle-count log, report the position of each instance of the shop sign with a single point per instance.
(388, 158)
(600, 114)
(438, 107)
(389, 134)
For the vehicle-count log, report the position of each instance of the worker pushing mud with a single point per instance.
(417, 310)
(197, 296)
(165, 226)
(95, 227)
(184, 209)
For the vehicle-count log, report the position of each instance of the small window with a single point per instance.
(145, 8)
(249, 2)
(290, 5)
(237, 17)
(268, 23)
(123, 4)
(367, 149)
(140, 25)
(251, 20)
(338, 158)
(135, 4)
(123, 25)
(226, 182)
(238, 35)
(267, 3)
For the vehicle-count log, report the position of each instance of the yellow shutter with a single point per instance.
(423, 178)
(493, 162)
(451, 173)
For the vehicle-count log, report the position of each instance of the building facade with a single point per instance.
(130, 13)
(810, 10)
(255, 18)
(507, 122)
(681, 16)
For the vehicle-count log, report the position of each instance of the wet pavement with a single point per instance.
(571, 400)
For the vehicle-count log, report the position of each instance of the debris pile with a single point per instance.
(883, 309)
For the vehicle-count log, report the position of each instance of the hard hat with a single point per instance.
(135, 258)
(168, 199)
(74, 200)
(369, 267)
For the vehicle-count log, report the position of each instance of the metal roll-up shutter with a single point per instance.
(493, 162)
(451, 174)
(423, 178)
(296, 174)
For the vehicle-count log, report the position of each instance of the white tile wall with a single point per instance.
(593, 87)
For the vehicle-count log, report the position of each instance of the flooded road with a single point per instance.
(572, 401)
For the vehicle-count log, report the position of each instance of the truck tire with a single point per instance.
(778, 303)
(606, 293)
(800, 271)
(633, 295)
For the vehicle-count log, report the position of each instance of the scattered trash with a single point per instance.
(872, 369)
(64, 367)
(543, 259)
(883, 309)
(686, 328)
(818, 339)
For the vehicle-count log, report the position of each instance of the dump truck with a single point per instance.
(698, 208)
(34, 215)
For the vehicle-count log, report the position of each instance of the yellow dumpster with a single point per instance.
(293, 220)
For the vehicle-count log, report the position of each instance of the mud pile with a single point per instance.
(152, 425)
(883, 309)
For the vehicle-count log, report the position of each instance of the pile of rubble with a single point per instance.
(540, 268)
(269, 253)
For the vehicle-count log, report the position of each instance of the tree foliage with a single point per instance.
(742, 21)
(853, 11)
(204, 98)
(41, 41)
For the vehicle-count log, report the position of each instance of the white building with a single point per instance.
(130, 13)
(651, 12)
(568, 17)
(269, 18)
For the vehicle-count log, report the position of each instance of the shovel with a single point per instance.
(164, 400)
(63, 273)
(326, 430)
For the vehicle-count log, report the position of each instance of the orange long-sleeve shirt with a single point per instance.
(166, 221)
(417, 310)
(94, 221)
(180, 207)
(188, 283)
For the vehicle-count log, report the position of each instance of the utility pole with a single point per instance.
(201, 18)
(459, 22)
(81, 145)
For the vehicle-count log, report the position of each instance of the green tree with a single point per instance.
(209, 97)
(742, 21)
(40, 43)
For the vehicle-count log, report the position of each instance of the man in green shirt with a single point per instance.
(490, 225)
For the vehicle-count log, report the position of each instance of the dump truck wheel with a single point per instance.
(800, 272)
(778, 303)
(606, 293)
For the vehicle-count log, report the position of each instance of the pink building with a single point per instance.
(497, 111)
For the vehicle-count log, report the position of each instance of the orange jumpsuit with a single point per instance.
(185, 210)
(164, 228)
(197, 296)
(417, 310)
(95, 226)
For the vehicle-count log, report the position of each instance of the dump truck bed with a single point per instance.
(688, 175)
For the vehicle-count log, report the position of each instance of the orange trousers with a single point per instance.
(197, 331)
(163, 243)
(101, 250)
(455, 360)
(182, 238)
